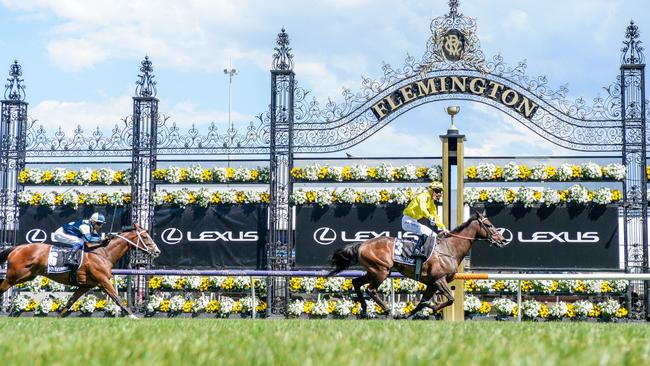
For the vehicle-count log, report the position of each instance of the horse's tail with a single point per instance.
(5, 253)
(344, 258)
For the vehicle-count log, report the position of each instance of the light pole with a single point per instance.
(230, 71)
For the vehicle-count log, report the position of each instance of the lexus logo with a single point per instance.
(507, 234)
(36, 236)
(324, 236)
(171, 236)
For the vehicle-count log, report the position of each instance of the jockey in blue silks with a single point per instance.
(76, 233)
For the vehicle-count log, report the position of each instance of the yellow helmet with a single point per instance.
(436, 186)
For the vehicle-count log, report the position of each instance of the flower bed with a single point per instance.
(361, 173)
(82, 177)
(196, 283)
(44, 284)
(550, 287)
(607, 310)
(576, 194)
(197, 174)
(344, 308)
(325, 196)
(344, 285)
(222, 307)
(541, 172)
(73, 198)
(204, 197)
(87, 305)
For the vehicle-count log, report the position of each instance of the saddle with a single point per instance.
(60, 258)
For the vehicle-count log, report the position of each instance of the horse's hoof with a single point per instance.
(133, 316)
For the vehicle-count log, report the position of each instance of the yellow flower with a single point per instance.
(81, 199)
(297, 173)
(295, 283)
(206, 175)
(58, 199)
(554, 286)
(36, 199)
(616, 195)
(346, 173)
(384, 196)
(576, 172)
(408, 307)
(543, 311)
(261, 307)
(537, 195)
(191, 197)
(470, 172)
(76, 306)
(183, 175)
(320, 283)
(31, 305)
(212, 307)
(308, 307)
(550, 172)
(511, 195)
(155, 282)
(594, 312)
(570, 311)
(471, 286)
(228, 284)
(311, 196)
(180, 283)
(498, 173)
(356, 308)
(103, 199)
(240, 197)
(524, 172)
(23, 176)
(265, 197)
(118, 177)
(230, 173)
(126, 198)
(188, 306)
(322, 174)
(159, 174)
(45, 281)
(564, 195)
(237, 307)
(347, 285)
(169, 198)
(421, 172)
(483, 195)
(515, 311)
(499, 286)
(590, 196)
(526, 286)
(647, 172)
(100, 305)
(47, 176)
(165, 306)
(70, 176)
(485, 308)
(621, 313)
(94, 176)
(606, 287)
(216, 198)
(372, 173)
(56, 304)
(331, 305)
(255, 174)
(396, 174)
(379, 309)
(205, 284)
(581, 288)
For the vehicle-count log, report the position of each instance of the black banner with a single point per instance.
(37, 223)
(214, 237)
(320, 231)
(551, 238)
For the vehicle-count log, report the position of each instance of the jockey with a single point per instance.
(423, 207)
(77, 233)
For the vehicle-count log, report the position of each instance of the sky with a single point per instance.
(81, 59)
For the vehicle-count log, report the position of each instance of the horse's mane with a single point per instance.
(465, 224)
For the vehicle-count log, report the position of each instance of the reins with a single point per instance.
(140, 240)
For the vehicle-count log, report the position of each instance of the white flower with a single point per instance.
(334, 284)
(530, 308)
(550, 197)
(242, 175)
(526, 196)
(538, 172)
(181, 197)
(570, 286)
(35, 175)
(385, 172)
(112, 309)
(511, 172)
(169, 282)
(347, 195)
(176, 303)
(229, 197)
(497, 195)
(504, 306)
(88, 304)
(408, 172)
(158, 197)
(83, 176)
(408, 285)
(92, 198)
(619, 286)
(58, 175)
(323, 197)
(195, 173)
(400, 196)
(25, 197)
(370, 197)
(242, 282)
(609, 308)
(116, 198)
(615, 171)
(602, 196)
(193, 282)
(320, 308)
(251, 196)
(582, 308)
(296, 307)
(485, 171)
(564, 172)
(48, 199)
(471, 304)
(105, 176)
(173, 174)
(308, 283)
(578, 194)
(591, 171)
(247, 304)
(154, 303)
(359, 172)
(70, 198)
(203, 197)
(343, 307)
(312, 171)
(593, 286)
(226, 305)
(335, 173)
(545, 285)
(435, 173)
(19, 303)
(471, 196)
(385, 286)
(485, 285)
(558, 310)
(298, 197)
(220, 175)
(45, 306)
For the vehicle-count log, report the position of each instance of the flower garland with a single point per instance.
(82, 177)
(325, 196)
(197, 283)
(384, 172)
(541, 172)
(222, 307)
(73, 198)
(591, 287)
(197, 174)
(204, 197)
(344, 308)
(547, 197)
(89, 304)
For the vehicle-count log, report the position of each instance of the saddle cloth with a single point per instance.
(404, 250)
(56, 258)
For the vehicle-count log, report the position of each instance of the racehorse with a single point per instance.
(376, 257)
(26, 261)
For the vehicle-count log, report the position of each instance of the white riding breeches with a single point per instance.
(65, 238)
(412, 225)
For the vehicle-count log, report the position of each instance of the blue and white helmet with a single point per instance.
(98, 218)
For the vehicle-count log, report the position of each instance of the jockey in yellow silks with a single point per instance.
(423, 206)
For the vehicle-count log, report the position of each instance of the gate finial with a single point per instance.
(146, 86)
(282, 58)
(453, 9)
(15, 90)
(632, 51)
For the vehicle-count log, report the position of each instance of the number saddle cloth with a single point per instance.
(56, 259)
(403, 252)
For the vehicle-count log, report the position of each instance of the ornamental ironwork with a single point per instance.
(632, 50)
(14, 89)
(282, 58)
(146, 86)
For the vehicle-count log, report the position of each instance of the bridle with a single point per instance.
(484, 226)
(137, 245)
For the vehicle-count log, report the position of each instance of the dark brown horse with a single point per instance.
(27, 261)
(376, 257)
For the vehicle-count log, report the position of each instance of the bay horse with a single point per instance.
(376, 257)
(26, 261)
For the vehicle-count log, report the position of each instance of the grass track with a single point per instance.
(74, 341)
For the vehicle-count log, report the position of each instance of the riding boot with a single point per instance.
(417, 249)
(70, 259)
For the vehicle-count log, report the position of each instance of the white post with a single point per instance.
(253, 296)
(518, 300)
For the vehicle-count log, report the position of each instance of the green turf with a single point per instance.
(74, 341)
